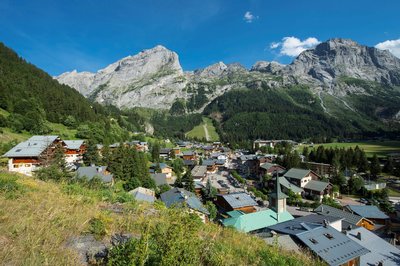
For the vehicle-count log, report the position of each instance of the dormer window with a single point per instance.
(329, 236)
(313, 241)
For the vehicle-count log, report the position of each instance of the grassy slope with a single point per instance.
(198, 131)
(37, 218)
(57, 129)
(380, 148)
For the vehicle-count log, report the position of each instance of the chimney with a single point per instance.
(359, 236)
(326, 223)
(349, 227)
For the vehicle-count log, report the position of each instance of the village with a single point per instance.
(298, 207)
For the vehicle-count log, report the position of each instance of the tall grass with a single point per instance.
(35, 226)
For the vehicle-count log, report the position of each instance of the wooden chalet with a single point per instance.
(75, 149)
(28, 156)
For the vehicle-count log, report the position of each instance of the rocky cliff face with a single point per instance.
(155, 79)
(329, 62)
(267, 67)
(152, 78)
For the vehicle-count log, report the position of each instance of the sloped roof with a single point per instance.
(381, 251)
(188, 153)
(316, 185)
(239, 200)
(199, 170)
(33, 147)
(208, 162)
(91, 171)
(256, 220)
(368, 211)
(302, 224)
(143, 194)
(331, 211)
(284, 182)
(178, 196)
(162, 165)
(248, 157)
(74, 144)
(159, 178)
(267, 166)
(189, 162)
(297, 173)
(331, 245)
(165, 150)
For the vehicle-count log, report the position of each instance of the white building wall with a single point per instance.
(22, 168)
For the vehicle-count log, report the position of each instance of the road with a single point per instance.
(206, 132)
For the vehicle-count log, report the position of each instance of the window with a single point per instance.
(313, 241)
(329, 236)
(27, 165)
(16, 165)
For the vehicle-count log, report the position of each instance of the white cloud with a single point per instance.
(392, 45)
(274, 45)
(292, 46)
(248, 17)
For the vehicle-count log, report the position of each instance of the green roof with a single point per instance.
(316, 185)
(256, 220)
(297, 173)
(284, 182)
(235, 214)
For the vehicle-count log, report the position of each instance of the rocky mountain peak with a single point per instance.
(336, 58)
(213, 70)
(267, 67)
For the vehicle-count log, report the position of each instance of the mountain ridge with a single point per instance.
(154, 77)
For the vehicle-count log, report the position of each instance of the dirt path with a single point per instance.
(206, 132)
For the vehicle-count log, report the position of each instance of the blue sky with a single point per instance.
(87, 35)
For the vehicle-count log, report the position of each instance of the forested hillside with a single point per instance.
(287, 113)
(31, 99)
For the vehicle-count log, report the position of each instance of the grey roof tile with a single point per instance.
(238, 200)
(331, 245)
(33, 147)
(331, 211)
(368, 211)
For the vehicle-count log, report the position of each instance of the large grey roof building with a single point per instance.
(33, 147)
(331, 245)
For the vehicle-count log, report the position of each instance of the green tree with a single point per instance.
(362, 163)
(212, 209)
(70, 121)
(209, 191)
(91, 155)
(389, 166)
(155, 152)
(187, 181)
(375, 166)
(178, 166)
(355, 184)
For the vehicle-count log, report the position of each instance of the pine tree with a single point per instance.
(91, 156)
(188, 182)
(155, 152)
(375, 166)
(209, 191)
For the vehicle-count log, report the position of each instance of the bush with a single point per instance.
(10, 187)
(98, 226)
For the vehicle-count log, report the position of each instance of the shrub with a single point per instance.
(10, 187)
(98, 226)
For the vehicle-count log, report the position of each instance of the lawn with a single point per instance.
(380, 148)
(199, 132)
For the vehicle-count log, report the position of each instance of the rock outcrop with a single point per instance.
(154, 78)
(329, 62)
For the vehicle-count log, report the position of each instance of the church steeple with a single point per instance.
(278, 198)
